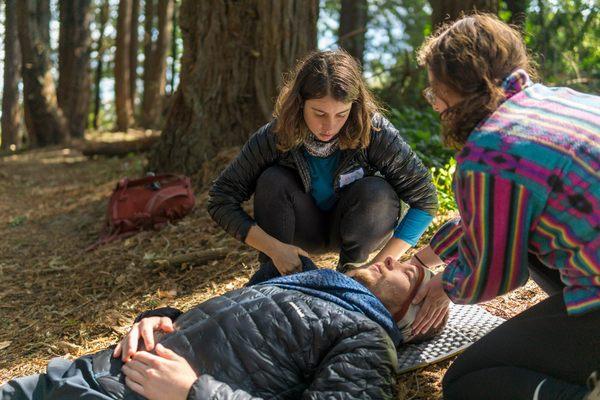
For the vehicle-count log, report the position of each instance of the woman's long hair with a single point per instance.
(322, 73)
(472, 56)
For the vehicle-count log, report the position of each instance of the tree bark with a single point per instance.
(74, 83)
(102, 21)
(174, 54)
(518, 12)
(353, 26)
(45, 121)
(10, 94)
(156, 67)
(133, 53)
(233, 60)
(122, 71)
(450, 10)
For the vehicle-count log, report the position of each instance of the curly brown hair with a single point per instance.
(321, 73)
(472, 56)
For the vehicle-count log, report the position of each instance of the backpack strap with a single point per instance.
(163, 195)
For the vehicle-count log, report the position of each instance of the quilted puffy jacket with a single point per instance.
(387, 154)
(265, 342)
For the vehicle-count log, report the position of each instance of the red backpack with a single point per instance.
(146, 203)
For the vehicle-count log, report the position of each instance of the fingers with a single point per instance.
(147, 332)
(422, 317)
(166, 353)
(117, 351)
(130, 343)
(136, 387)
(132, 373)
(148, 359)
(421, 293)
(166, 325)
(440, 318)
(432, 320)
(302, 252)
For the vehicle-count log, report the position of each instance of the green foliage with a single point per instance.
(17, 221)
(564, 37)
(442, 179)
(421, 130)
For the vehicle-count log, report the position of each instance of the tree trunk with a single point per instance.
(122, 71)
(353, 26)
(133, 53)
(518, 12)
(156, 67)
(450, 10)
(102, 21)
(46, 123)
(174, 54)
(74, 63)
(232, 65)
(10, 94)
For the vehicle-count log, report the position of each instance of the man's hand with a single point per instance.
(165, 375)
(286, 258)
(145, 329)
(434, 307)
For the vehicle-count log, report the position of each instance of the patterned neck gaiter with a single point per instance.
(317, 148)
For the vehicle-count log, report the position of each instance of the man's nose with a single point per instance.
(389, 262)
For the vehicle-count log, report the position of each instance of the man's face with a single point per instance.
(391, 281)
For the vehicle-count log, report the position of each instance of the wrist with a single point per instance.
(428, 257)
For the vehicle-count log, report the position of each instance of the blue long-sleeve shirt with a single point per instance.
(322, 171)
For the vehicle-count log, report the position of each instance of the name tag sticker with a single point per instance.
(346, 179)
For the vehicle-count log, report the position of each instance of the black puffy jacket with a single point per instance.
(387, 154)
(272, 343)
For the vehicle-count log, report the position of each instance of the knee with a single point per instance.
(375, 193)
(275, 179)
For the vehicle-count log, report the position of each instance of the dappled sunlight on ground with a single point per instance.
(58, 300)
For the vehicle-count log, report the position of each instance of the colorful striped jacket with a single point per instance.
(527, 181)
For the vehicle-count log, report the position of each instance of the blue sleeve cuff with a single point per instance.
(413, 225)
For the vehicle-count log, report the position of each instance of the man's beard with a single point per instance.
(364, 277)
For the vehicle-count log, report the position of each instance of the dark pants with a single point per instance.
(541, 343)
(362, 219)
(64, 380)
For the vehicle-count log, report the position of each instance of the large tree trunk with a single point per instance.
(449, 10)
(174, 55)
(156, 66)
(45, 122)
(10, 93)
(102, 21)
(233, 60)
(74, 63)
(518, 12)
(122, 71)
(133, 53)
(353, 26)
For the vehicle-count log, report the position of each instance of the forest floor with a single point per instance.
(58, 300)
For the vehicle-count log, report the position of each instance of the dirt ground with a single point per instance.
(57, 300)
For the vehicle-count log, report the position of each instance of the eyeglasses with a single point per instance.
(429, 95)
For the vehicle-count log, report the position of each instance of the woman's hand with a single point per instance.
(145, 329)
(286, 258)
(434, 307)
(164, 375)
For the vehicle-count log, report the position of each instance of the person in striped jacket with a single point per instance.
(527, 188)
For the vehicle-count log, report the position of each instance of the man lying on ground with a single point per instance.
(313, 335)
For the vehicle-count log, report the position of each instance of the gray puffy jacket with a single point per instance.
(273, 343)
(387, 154)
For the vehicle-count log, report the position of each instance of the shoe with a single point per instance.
(593, 383)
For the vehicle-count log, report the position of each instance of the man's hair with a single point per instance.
(472, 56)
(430, 333)
(321, 73)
